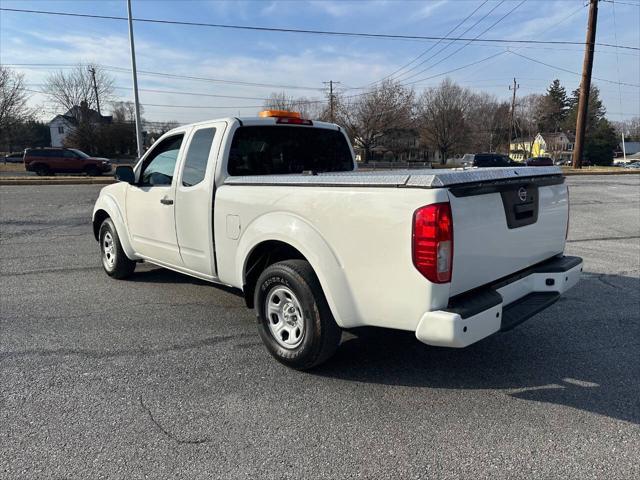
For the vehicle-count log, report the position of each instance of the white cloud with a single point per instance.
(428, 9)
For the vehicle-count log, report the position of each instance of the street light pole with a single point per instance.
(136, 100)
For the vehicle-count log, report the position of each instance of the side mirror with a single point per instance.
(124, 173)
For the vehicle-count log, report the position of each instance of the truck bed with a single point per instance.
(424, 178)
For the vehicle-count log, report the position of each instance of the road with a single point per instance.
(164, 376)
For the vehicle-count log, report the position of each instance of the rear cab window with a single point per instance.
(195, 164)
(278, 149)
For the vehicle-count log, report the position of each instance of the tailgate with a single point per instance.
(505, 226)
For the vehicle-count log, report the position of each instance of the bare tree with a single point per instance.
(70, 89)
(486, 120)
(630, 128)
(527, 119)
(386, 107)
(14, 110)
(308, 108)
(442, 113)
(124, 112)
(13, 98)
(157, 129)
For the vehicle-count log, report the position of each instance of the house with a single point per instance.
(62, 125)
(630, 148)
(401, 145)
(520, 148)
(558, 146)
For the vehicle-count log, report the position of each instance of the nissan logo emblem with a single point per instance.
(522, 194)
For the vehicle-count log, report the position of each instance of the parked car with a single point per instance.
(487, 160)
(14, 157)
(48, 161)
(274, 207)
(539, 162)
(632, 165)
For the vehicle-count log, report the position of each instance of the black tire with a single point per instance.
(42, 170)
(320, 335)
(117, 265)
(92, 171)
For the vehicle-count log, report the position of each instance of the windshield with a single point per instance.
(264, 150)
(79, 152)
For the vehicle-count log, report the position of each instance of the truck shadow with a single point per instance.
(583, 352)
(153, 274)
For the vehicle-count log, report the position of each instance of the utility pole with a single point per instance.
(331, 100)
(136, 100)
(585, 84)
(92, 71)
(512, 126)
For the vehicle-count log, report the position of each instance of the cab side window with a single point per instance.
(159, 166)
(195, 164)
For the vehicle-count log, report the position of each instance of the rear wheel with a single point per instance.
(114, 261)
(294, 319)
(42, 170)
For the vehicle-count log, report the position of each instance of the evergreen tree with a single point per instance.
(601, 143)
(600, 135)
(595, 111)
(553, 108)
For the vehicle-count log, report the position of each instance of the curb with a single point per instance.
(56, 180)
(588, 172)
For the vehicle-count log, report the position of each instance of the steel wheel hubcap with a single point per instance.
(108, 250)
(284, 316)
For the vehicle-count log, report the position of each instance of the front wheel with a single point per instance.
(92, 171)
(294, 319)
(114, 261)
(42, 170)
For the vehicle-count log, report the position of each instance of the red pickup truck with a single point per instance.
(47, 161)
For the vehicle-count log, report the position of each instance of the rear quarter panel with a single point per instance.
(358, 240)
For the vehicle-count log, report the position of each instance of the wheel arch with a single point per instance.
(107, 207)
(281, 236)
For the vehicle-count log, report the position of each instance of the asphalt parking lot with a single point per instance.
(164, 376)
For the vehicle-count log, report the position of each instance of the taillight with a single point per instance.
(432, 245)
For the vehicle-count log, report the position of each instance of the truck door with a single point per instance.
(150, 204)
(194, 198)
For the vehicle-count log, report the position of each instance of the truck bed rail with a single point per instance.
(428, 178)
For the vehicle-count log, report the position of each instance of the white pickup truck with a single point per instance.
(274, 206)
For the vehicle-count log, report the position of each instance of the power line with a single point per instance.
(171, 106)
(167, 75)
(449, 44)
(571, 71)
(622, 3)
(181, 92)
(431, 47)
(300, 31)
(482, 60)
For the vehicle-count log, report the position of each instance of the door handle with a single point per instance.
(166, 201)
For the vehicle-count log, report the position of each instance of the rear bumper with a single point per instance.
(500, 306)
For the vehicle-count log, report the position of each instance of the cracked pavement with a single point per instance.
(164, 376)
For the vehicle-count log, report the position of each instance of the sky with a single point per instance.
(305, 61)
